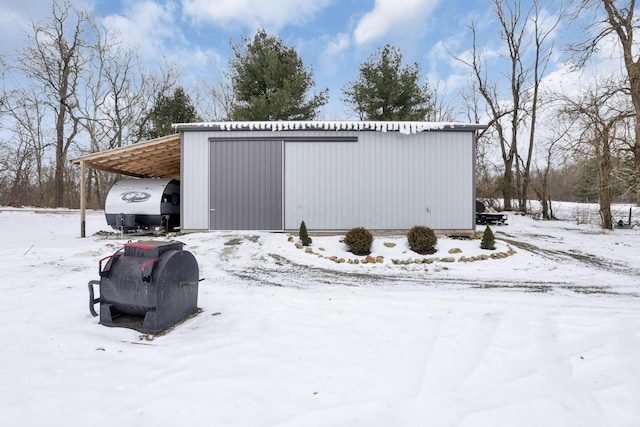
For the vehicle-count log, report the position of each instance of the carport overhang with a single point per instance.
(157, 158)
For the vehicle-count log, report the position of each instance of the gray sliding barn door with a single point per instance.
(245, 185)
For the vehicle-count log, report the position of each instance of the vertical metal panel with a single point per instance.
(384, 181)
(245, 185)
(194, 181)
(472, 211)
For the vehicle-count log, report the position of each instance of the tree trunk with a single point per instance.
(636, 147)
(545, 208)
(606, 168)
(605, 208)
(60, 157)
(507, 184)
(633, 70)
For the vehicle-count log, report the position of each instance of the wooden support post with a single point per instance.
(83, 196)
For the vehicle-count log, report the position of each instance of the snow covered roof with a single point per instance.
(402, 127)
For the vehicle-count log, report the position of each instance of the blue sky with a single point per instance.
(333, 37)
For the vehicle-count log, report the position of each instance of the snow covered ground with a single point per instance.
(549, 336)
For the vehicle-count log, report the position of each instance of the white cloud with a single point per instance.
(605, 63)
(156, 30)
(547, 23)
(272, 15)
(388, 16)
(338, 45)
(147, 25)
(16, 17)
(12, 26)
(441, 55)
(332, 55)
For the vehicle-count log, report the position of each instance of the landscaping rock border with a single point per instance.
(381, 260)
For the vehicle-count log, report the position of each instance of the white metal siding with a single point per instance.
(384, 181)
(194, 181)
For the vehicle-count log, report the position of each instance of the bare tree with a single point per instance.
(118, 93)
(522, 30)
(74, 87)
(486, 170)
(151, 86)
(442, 110)
(545, 170)
(496, 111)
(25, 149)
(214, 101)
(53, 60)
(599, 119)
(93, 101)
(542, 53)
(621, 21)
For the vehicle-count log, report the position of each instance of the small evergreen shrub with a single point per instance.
(422, 240)
(488, 241)
(304, 235)
(359, 241)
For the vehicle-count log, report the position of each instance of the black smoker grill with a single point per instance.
(147, 286)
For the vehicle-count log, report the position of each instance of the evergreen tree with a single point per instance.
(488, 240)
(385, 90)
(270, 82)
(585, 184)
(304, 235)
(167, 110)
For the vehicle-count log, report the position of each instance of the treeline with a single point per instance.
(76, 88)
(573, 182)
(543, 135)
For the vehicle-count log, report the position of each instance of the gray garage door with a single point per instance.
(246, 185)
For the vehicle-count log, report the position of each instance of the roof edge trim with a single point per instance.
(377, 126)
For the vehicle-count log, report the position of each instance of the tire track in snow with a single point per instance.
(457, 349)
(277, 270)
(583, 258)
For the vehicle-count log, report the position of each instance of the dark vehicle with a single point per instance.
(483, 217)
